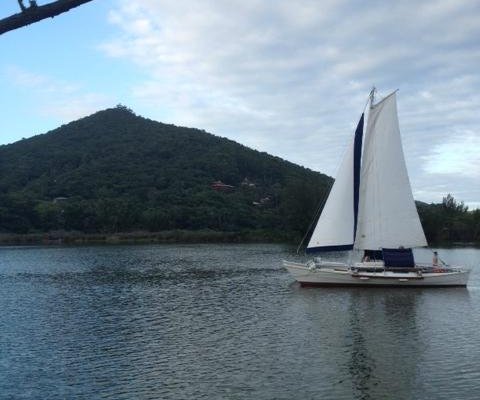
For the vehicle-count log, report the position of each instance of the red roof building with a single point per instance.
(219, 186)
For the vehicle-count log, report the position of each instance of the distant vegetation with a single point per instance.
(450, 222)
(115, 172)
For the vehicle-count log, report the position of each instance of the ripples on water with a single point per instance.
(224, 322)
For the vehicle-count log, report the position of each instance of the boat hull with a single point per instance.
(337, 275)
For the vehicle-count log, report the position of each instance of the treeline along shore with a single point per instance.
(118, 177)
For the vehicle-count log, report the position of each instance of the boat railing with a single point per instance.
(379, 267)
(370, 264)
(427, 267)
(318, 263)
(418, 269)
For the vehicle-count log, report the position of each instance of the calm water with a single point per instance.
(225, 322)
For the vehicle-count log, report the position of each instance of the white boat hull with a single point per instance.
(338, 274)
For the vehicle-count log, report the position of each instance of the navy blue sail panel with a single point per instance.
(342, 247)
(357, 155)
(398, 258)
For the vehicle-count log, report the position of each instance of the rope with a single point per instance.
(316, 215)
(439, 259)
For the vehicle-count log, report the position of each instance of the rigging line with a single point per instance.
(317, 214)
(439, 259)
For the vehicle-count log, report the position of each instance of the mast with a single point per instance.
(372, 96)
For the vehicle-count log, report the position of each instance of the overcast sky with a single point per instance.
(287, 77)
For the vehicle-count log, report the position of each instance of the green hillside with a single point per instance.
(115, 171)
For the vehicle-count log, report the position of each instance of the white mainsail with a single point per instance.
(387, 216)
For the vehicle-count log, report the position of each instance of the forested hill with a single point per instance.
(115, 171)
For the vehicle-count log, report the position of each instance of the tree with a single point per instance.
(452, 206)
(34, 13)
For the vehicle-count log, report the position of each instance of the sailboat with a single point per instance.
(370, 208)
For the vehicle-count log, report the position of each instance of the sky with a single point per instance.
(290, 78)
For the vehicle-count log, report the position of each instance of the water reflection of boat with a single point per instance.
(371, 208)
(376, 368)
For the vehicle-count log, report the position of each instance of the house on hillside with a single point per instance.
(219, 186)
(247, 183)
(263, 201)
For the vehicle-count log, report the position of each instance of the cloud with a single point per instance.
(55, 98)
(25, 78)
(291, 78)
(459, 156)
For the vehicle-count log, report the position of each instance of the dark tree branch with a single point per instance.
(22, 6)
(34, 13)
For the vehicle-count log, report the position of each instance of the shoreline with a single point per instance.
(172, 236)
(142, 237)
